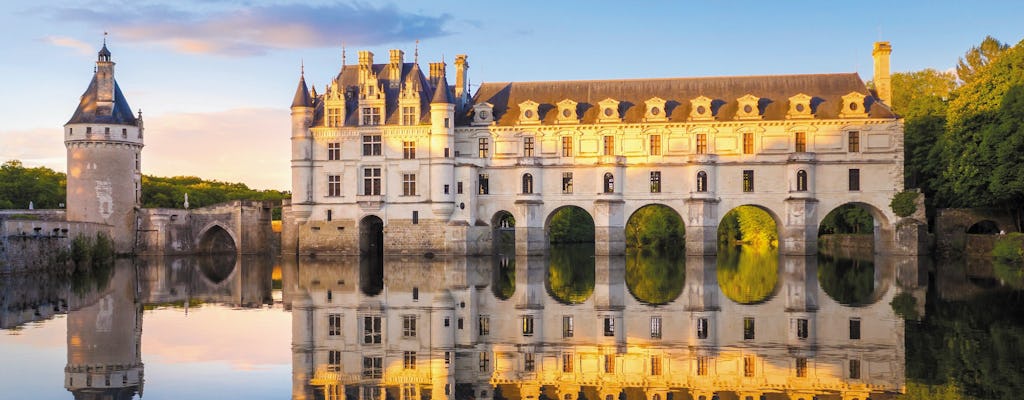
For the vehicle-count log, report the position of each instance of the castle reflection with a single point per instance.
(475, 328)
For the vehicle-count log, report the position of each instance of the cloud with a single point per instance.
(231, 31)
(75, 44)
(39, 147)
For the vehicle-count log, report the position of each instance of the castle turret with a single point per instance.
(302, 151)
(442, 140)
(104, 143)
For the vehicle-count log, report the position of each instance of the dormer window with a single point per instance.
(609, 111)
(700, 109)
(483, 114)
(853, 106)
(567, 112)
(746, 107)
(333, 117)
(528, 112)
(371, 116)
(800, 107)
(655, 110)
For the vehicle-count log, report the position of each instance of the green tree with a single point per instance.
(847, 218)
(747, 274)
(655, 278)
(571, 225)
(978, 57)
(571, 274)
(655, 227)
(41, 186)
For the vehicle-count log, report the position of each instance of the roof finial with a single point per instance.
(104, 38)
(302, 67)
(342, 54)
(416, 53)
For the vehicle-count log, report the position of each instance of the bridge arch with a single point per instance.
(503, 232)
(216, 238)
(984, 227)
(553, 217)
(881, 226)
(644, 211)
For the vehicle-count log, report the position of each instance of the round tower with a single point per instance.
(442, 141)
(104, 142)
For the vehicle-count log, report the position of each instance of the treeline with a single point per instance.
(46, 188)
(964, 132)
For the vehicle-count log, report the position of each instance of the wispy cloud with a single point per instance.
(75, 44)
(255, 30)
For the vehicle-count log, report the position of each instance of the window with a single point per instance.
(853, 142)
(702, 328)
(446, 188)
(369, 392)
(459, 323)
(371, 115)
(655, 365)
(801, 328)
(748, 143)
(566, 146)
(854, 179)
(609, 145)
(609, 182)
(409, 359)
(408, 391)
(415, 290)
(458, 187)
(527, 184)
(409, 115)
(485, 360)
(371, 145)
(854, 369)
(124, 133)
(409, 326)
(801, 367)
(609, 326)
(528, 146)
(333, 117)
(106, 131)
(567, 362)
(334, 151)
(334, 185)
(447, 152)
(330, 295)
(702, 143)
(567, 328)
(702, 181)
(566, 182)
(801, 181)
(330, 215)
(484, 325)
(334, 325)
(748, 366)
(484, 184)
(655, 327)
(415, 221)
(482, 148)
(655, 181)
(408, 184)
(655, 145)
(748, 180)
(409, 149)
(702, 365)
(138, 162)
(801, 142)
(371, 181)
(88, 130)
(527, 325)
(373, 367)
(447, 321)
(447, 122)
(371, 329)
(528, 362)
(447, 358)
(609, 363)
(854, 329)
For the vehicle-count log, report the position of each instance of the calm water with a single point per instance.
(565, 326)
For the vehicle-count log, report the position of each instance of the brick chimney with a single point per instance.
(882, 78)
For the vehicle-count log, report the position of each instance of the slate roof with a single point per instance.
(302, 98)
(348, 79)
(87, 113)
(826, 91)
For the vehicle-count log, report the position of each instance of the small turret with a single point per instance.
(302, 97)
(441, 92)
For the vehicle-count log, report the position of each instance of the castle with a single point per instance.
(391, 157)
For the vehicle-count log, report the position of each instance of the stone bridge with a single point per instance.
(238, 227)
(971, 230)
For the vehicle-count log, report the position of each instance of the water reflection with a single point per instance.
(633, 329)
(748, 274)
(571, 272)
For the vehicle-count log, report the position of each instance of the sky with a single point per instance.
(214, 78)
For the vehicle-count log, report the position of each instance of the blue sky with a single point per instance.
(214, 78)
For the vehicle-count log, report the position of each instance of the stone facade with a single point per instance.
(798, 146)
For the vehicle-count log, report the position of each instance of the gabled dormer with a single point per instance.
(799, 107)
(409, 97)
(567, 113)
(608, 111)
(700, 109)
(528, 113)
(655, 111)
(483, 114)
(334, 106)
(371, 93)
(853, 106)
(747, 107)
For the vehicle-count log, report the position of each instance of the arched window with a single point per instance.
(801, 181)
(702, 181)
(527, 184)
(609, 182)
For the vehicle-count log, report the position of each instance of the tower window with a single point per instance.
(655, 181)
(124, 133)
(748, 180)
(527, 183)
(801, 181)
(748, 143)
(702, 181)
(702, 143)
(482, 147)
(334, 151)
(566, 146)
(609, 182)
(528, 146)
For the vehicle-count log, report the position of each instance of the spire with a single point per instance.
(416, 53)
(441, 95)
(302, 98)
(104, 54)
(343, 54)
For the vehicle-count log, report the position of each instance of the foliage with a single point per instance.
(904, 204)
(910, 88)
(160, 192)
(654, 277)
(571, 225)
(504, 285)
(921, 391)
(655, 227)
(905, 306)
(93, 259)
(747, 274)
(1008, 259)
(571, 273)
(748, 225)
(847, 218)
(847, 281)
(978, 57)
(41, 186)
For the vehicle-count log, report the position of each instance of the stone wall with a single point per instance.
(35, 240)
(165, 231)
(951, 225)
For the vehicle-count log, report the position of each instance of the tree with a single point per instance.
(978, 57)
(41, 186)
(909, 88)
(655, 227)
(571, 225)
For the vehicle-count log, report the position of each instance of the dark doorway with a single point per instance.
(371, 236)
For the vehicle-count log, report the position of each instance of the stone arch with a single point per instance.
(371, 236)
(216, 238)
(880, 223)
(660, 205)
(749, 272)
(779, 222)
(984, 227)
(556, 210)
(503, 232)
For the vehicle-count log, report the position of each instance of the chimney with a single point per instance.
(436, 72)
(882, 78)
(460, 77)
(396, 56)
(365, 67)
(365, 58)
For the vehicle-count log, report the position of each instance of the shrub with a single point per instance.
(904, 204)
(905, 306)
